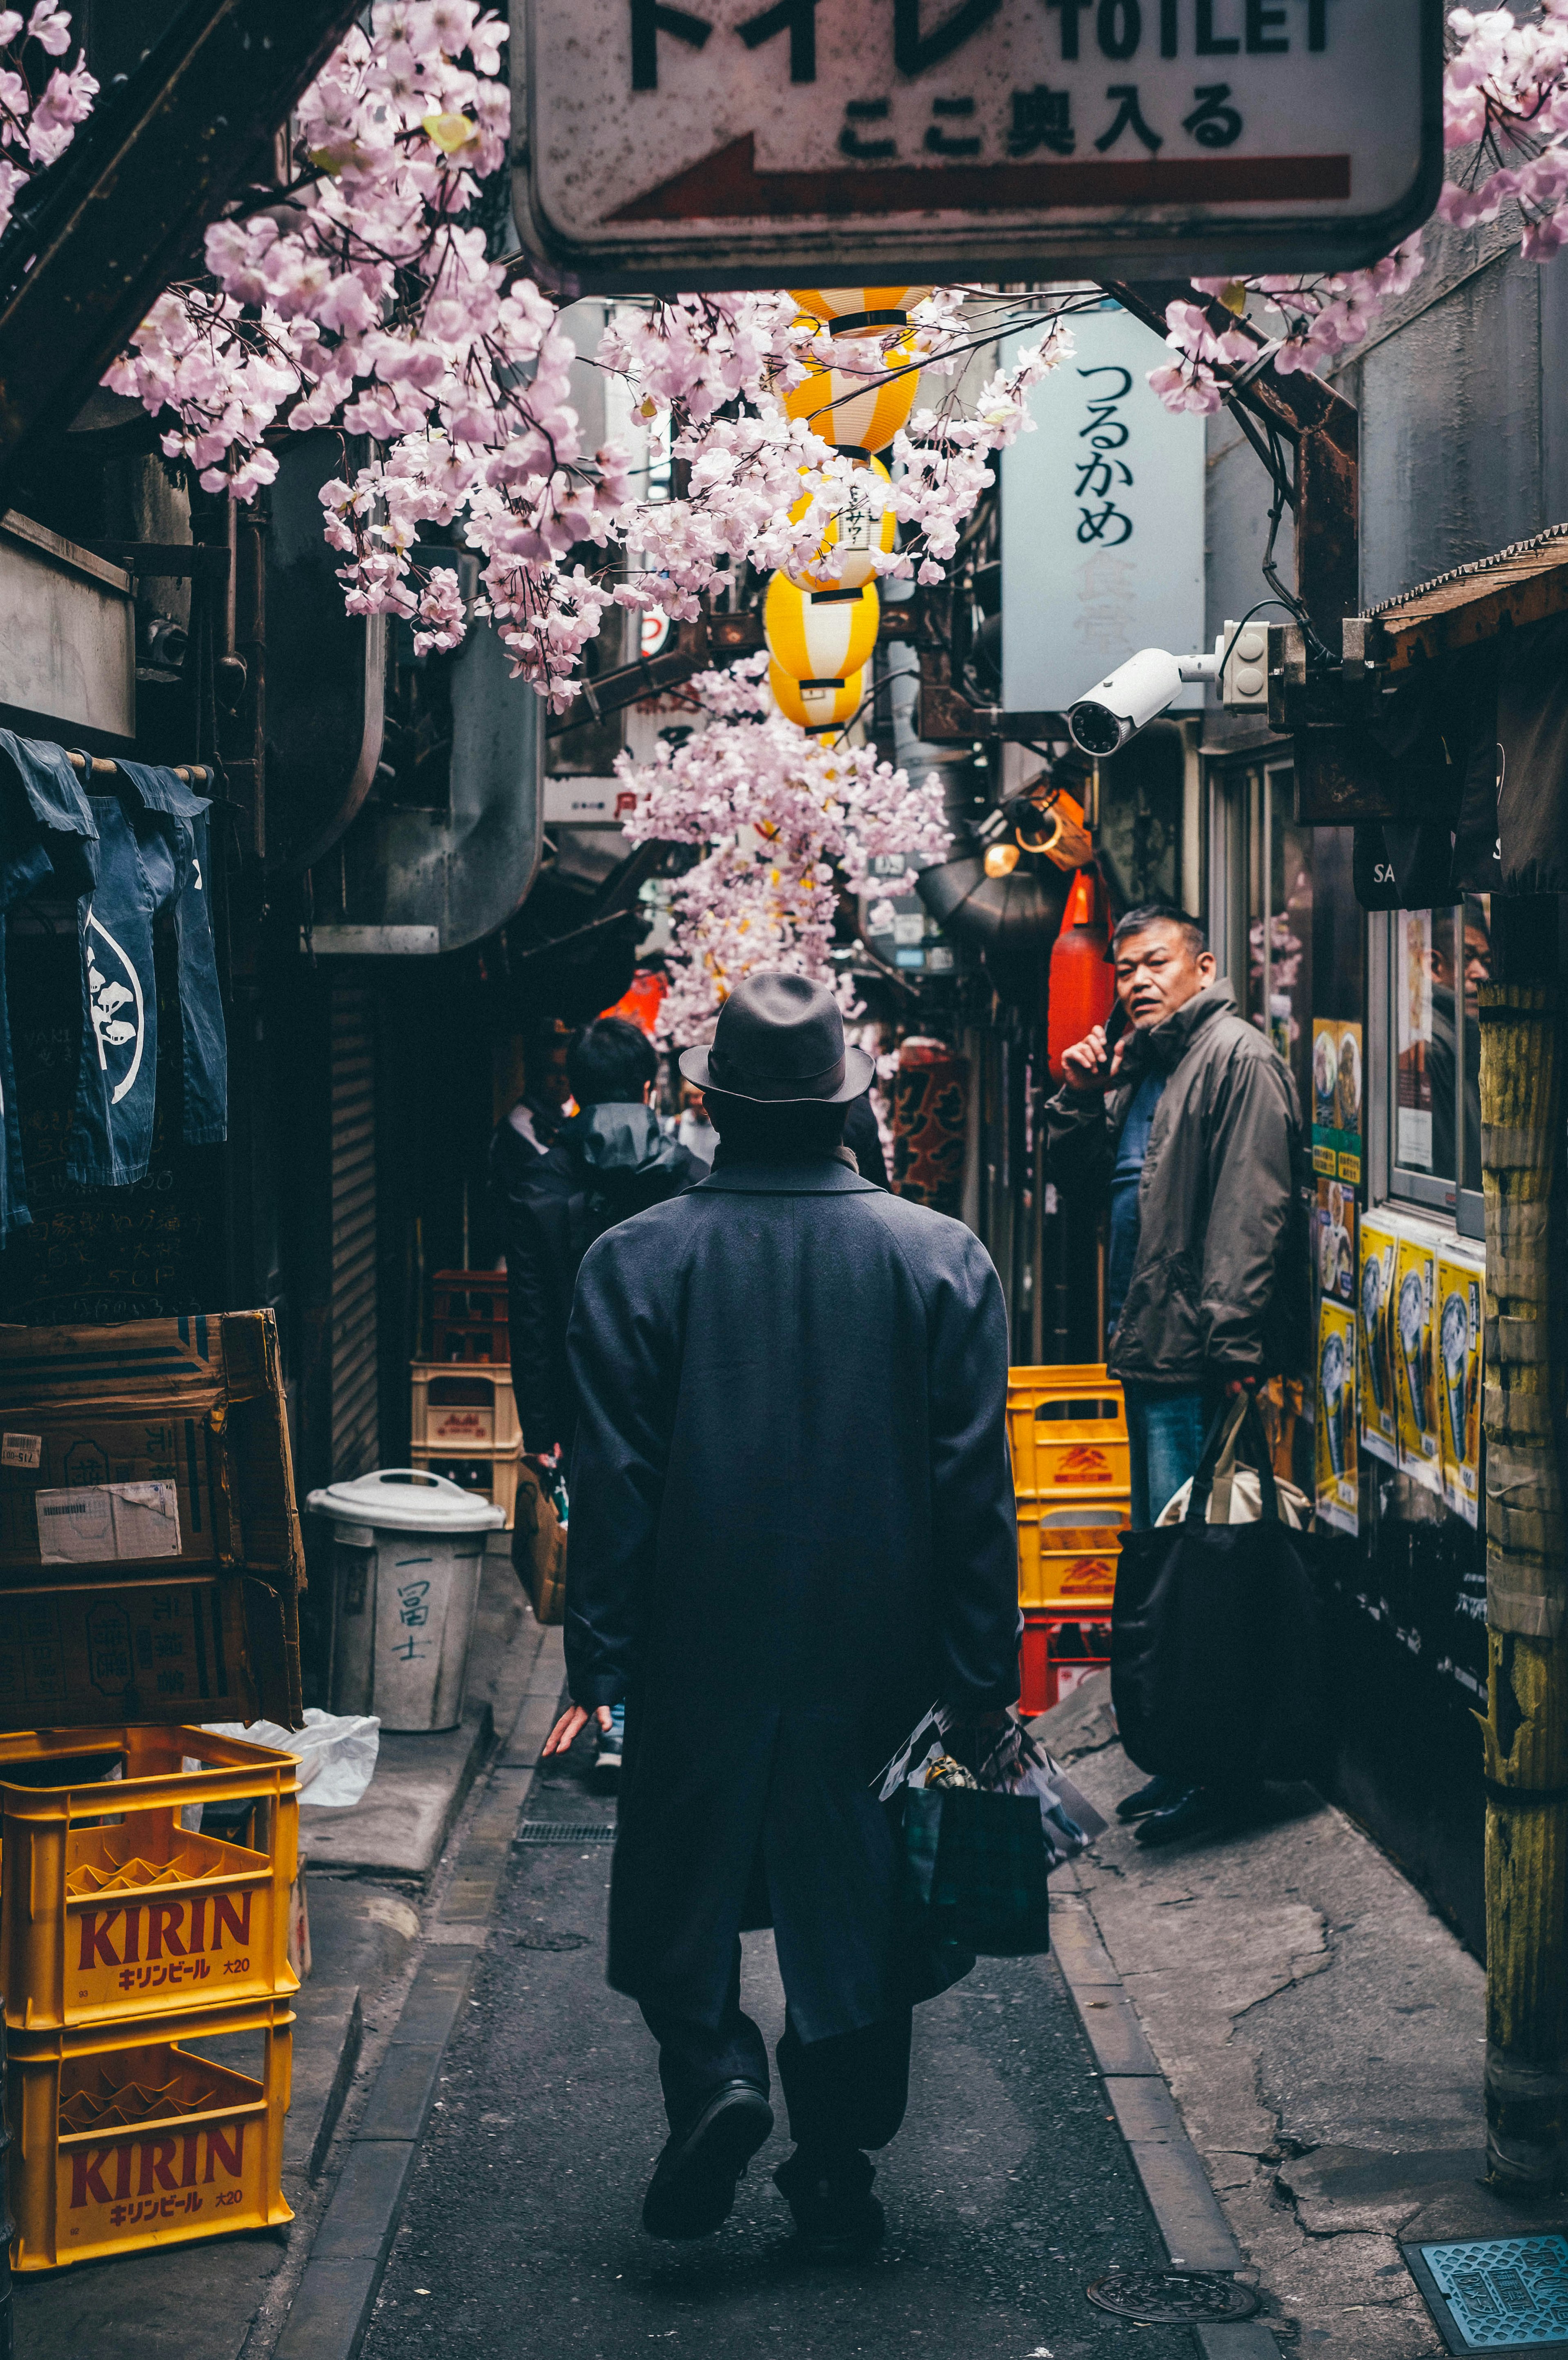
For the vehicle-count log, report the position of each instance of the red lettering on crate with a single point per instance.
(217, 2145)
(96, 1946)
(187, 2158)
(225, 1916)
(163, 1917)
(1084, 1465)
(86, 2180)
(158, 2163)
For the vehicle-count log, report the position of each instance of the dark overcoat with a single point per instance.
(791, 1531)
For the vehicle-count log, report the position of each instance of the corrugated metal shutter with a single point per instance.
(354, 1370)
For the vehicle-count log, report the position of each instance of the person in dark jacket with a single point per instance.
(1189, 1123)
(608, 1161)
(792, 1530)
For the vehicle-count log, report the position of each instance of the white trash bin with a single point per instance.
(409, 1549)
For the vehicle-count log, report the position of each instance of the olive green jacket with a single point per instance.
(1221, 1283)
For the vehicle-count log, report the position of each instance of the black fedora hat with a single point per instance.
(779, 1041)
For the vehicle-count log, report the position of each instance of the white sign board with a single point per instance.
(733, 143)
(1102, 522)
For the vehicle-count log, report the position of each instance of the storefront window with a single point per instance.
(1277, 995)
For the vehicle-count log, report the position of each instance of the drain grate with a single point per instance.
(1172, 2298)
(563, 1831)
(1496, 2294)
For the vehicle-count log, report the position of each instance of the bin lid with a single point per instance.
(407, 1500)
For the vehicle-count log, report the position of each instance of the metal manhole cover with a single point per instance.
(1496, 2294)
(563, 1831)
(1171, 2298)
(541, 1939)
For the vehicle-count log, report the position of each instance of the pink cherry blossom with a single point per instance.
(788, 825)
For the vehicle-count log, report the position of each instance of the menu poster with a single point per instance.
(1410, 1345)
(1412, 1007)
(1459, 1277)
(1337, 1462)
(1336, 1100)
(1379, 1401)
(1334, 1241)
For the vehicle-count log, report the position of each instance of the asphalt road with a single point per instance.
(1007, 2190)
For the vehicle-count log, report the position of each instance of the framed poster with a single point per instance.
(1460, 1276)
(1337, 1082)
(1334, 1241)
(1379, 1402)
(1410, 1346)
(1337, 1465)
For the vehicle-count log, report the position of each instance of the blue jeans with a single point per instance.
(1166, 1433)
(152, 855)
(47, 832)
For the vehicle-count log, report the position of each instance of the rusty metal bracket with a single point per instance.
(123, 212)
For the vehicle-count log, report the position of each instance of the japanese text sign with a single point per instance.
(1102, 522)
(729, 143)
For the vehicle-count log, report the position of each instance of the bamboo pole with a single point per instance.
(1525, 1732)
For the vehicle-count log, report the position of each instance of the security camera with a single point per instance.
(1125, 701)
(1139, 691)
(1130, 698)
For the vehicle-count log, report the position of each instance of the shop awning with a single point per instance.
(1526, 583)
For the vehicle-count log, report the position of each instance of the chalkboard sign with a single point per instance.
(151, 1250)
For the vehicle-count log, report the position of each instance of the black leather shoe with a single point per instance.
(836, 2216)
(694, 2182)
(1200, 1810)
(1159, 1791)
(1188, 1815)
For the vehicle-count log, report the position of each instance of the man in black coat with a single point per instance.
(792, 1529)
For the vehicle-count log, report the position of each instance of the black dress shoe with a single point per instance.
(1159, 1791)
(836, 2216)
(694, 2182)
(1200, 1810)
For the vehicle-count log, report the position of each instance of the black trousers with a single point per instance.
(842, 2093)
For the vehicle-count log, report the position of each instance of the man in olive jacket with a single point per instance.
(1188, 1121)
(792, 1531)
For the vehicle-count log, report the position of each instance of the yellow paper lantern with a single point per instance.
(856, 533)
(827, 704)
(860, 311)
(858, 411)
(819, 634)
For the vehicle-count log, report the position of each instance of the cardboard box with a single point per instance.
(125, 1450)
(188, 1647)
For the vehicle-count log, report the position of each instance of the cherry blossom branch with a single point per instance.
(786, 824)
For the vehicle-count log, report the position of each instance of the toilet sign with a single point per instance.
(733, 143)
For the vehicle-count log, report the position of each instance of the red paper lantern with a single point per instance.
(1083, 984)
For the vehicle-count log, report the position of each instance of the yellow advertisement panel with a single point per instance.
(1375, 1298)
(1337, 1479)
(1412, 1343)
(1458, 1376)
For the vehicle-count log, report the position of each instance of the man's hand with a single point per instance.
(1088, 1067)
(571, 1723)
(1242, 1385)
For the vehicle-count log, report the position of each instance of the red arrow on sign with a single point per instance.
(727, 186)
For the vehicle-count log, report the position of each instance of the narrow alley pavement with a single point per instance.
(1007, 2192)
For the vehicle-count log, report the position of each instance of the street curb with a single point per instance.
(331, 2307)
(1186, 2210)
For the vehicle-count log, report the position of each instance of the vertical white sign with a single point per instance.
(1102, 522)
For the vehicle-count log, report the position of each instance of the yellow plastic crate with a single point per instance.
(1068, 1551)
(492, 1473)
(122, 2140)
(109, 1909)
(1055, 1452)
(458, 1408)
